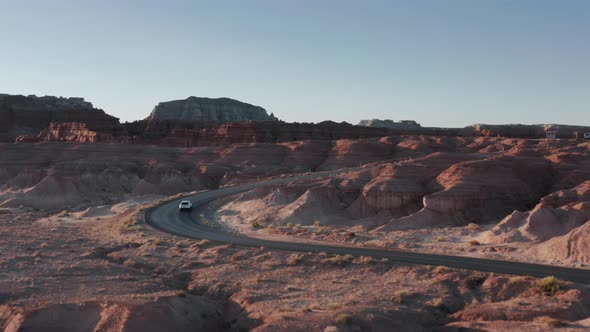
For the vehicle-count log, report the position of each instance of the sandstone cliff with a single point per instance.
(28, 115)
(214, 110)
(403, 124)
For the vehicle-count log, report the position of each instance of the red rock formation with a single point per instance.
(29, 115)
(524, 131)
(75, 132)
(198, 134)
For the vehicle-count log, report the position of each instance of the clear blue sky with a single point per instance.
(442, 63)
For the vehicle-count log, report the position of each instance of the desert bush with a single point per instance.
(254, 224)
(517, 280)
(440, 269)
(294, 259)
(341, 259)
(473, 227)
(158, 241)
(367, 260)
(316, 223)
(234, 258)
(343, 319)
(331, 329)
(441, 238)
(549, 285)
(43, 245)
(438, 302)
(474, 243)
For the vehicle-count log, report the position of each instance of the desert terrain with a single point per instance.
(77, 255)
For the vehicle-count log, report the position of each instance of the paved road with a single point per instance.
(167, 218)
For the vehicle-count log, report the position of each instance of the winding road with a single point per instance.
(167, 218)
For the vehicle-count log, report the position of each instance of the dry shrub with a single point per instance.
(294, 259)
(550, 285)
(343, 319)
(341, 259)
(367, 260)
(440, 269)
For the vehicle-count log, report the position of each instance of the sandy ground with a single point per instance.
(92, 265)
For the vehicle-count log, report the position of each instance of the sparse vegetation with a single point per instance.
(43, 245)
(158, 242)
(129, 220)
(294, 259)
(341, 259)
(367, 260)
(550, 285)
(441, 238)
(235, 258)
(254, 224)
(440, 269)
(343, 319)
(517, 280)
(474, 243)
(442, 305)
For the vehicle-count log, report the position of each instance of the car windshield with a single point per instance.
(184, 202)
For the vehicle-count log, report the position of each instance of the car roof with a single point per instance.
(182, 202)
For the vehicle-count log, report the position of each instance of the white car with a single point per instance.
(185, 205)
